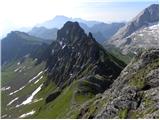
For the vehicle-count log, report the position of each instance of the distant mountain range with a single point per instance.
(44, 33)
(106, 30)
(58, 22)
(140, 32)
(101, 31)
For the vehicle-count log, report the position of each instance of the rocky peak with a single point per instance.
(76, 55)
(71, 32)
(140, 33)
(148, 16)
(153, 10)
(145, 18)
(72, 38)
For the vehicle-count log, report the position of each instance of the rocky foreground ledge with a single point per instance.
(134, 94)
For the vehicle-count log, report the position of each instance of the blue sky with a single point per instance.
(115, 11)
(15, 14)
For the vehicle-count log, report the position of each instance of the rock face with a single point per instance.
(131, 36)
(134, 94)
(77, 56)
(142, 39)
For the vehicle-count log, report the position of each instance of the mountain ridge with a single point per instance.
(144, 18)
(100, 30)
(86, 50)
(19, 44)
(131, 37)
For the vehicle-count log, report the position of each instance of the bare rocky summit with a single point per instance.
(140, 33)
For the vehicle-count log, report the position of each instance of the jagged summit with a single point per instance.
(69, 28)
(71, 32)
(75, 55)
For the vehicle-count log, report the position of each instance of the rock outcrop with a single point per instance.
(134, 94)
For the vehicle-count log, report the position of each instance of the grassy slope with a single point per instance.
(66, 105)
(68, 100)
(9, 75)
(9, 80)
